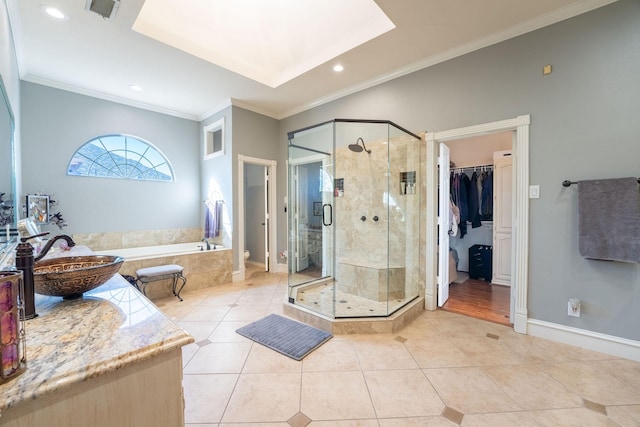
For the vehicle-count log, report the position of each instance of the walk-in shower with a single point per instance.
(354, 218)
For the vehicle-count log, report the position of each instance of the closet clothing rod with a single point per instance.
(481, 167)
(567, 183)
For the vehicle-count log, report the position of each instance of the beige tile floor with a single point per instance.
(443, 369)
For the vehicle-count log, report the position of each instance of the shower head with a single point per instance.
(356, 148)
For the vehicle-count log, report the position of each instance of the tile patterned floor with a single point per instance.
(444, 369)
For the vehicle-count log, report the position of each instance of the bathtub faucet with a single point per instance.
(207, 242)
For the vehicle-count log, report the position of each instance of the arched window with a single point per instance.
(120, 156)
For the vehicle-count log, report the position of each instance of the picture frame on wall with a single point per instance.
(38, 208)
(317, 208)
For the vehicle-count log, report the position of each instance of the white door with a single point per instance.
(443, 225)
(502, 217)
(267, 219)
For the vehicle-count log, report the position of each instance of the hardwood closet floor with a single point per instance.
(479, 299)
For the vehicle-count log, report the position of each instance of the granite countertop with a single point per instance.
(72, 341)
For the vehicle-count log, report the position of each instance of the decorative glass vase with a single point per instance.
(12, 332)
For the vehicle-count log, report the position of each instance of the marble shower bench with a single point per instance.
(369, 280)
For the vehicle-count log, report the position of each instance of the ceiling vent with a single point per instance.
(105, 8)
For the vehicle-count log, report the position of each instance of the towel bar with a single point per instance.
(567, 183)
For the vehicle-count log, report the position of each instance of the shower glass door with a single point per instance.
(362, 219)
(311, 219)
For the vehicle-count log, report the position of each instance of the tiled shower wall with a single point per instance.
(372, 188)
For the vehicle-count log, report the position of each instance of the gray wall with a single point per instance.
(254, 135)
(246, 133)
(56, 123)
(216, 178)
(584, 125)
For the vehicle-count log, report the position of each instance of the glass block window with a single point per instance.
(120, 156)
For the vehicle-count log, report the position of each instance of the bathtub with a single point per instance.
(203, 268)
(150, 252)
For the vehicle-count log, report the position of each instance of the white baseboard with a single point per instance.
(237, 276)
(609, 344)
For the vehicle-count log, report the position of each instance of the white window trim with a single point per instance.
(213, 127)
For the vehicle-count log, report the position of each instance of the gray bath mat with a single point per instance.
(291, 338)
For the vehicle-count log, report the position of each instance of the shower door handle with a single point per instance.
(324, 214)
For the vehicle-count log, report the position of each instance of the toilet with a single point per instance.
(246, 257)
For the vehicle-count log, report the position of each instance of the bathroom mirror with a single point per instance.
(8, 205)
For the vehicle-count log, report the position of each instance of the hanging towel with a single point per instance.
(212, 219)
(609, 219)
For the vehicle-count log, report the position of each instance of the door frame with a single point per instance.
(270, 222)
(520, 243)
(327, 242)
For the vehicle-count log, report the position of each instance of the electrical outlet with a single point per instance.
(573, 307)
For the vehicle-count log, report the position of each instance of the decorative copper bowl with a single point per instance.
(70, 277)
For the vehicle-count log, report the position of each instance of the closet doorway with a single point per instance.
(437, 286)
(479, 232)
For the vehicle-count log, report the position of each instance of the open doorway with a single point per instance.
(479, 232)
(436, 287)
(256, 213)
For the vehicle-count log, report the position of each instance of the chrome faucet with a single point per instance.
(207, 242)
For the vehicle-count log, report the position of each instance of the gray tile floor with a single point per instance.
(443, 369)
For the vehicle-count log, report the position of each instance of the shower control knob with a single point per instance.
(375, 218)
(363, 218)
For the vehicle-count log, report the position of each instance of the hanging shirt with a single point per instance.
(463, 205)
(487, 195)
(474, 212)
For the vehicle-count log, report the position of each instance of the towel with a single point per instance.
(212, 219)
(609, 219)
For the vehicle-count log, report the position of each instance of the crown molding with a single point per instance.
(528, 26)
(107, 97)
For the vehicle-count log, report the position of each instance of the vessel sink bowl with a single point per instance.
(70, 277)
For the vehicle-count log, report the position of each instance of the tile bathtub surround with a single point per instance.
(442, 369)
(209, 268)
(202, 269)
(132, 239)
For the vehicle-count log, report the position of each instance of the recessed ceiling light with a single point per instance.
(337, 68)
(54, 12)
(135, 87)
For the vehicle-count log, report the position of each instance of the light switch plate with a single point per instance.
(534, 191)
